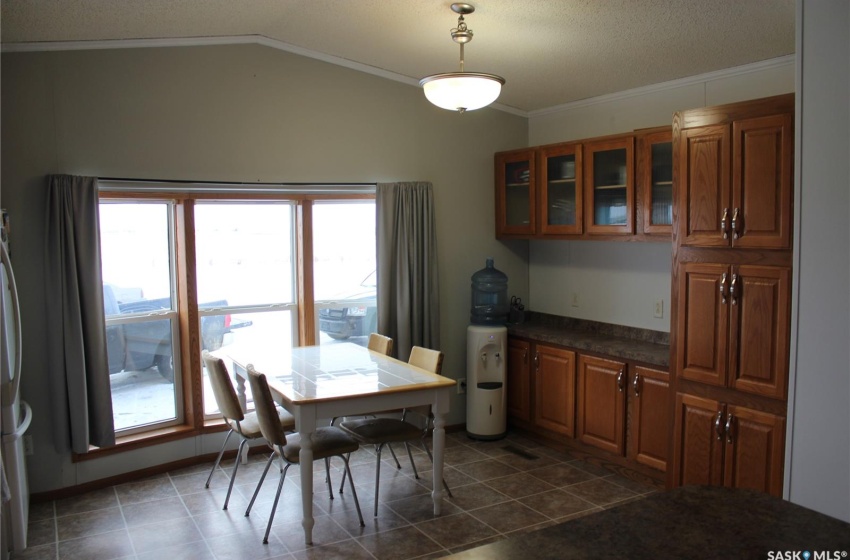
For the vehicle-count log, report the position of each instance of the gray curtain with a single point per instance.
(408, 284)
(76, 335)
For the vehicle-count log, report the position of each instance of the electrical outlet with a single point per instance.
(461, 386)
(574, 301)
(28, 446)
(659, 308)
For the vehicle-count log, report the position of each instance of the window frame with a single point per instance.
(184, 196)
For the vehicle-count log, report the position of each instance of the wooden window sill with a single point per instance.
(150, 438)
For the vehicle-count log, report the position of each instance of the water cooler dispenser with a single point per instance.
(487, 345)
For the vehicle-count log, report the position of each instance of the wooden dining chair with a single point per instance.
(328, 441)
(383, 431)
(244, 424)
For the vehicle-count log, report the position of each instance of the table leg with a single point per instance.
(306, 460)
(240, 386)
(243, 402)
(439, 436)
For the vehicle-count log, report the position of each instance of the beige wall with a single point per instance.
(620, 282)
(237, 113)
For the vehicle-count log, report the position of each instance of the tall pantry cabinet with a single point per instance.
(731, 301)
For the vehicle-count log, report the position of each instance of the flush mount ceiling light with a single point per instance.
(462, 91)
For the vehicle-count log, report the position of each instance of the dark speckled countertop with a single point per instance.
(684, 523)
(627, 343)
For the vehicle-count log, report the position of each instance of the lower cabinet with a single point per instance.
(617, 407)
(621, 408)
(554, 389)
(719, 443)
(649, 418)
(602, 403)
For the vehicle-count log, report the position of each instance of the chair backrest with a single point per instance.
(427, 359)
(265, 408)
(380, 343)
(225, 394)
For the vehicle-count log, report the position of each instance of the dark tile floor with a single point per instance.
(500, 488)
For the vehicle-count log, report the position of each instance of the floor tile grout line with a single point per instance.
(192, 517)
(124, 519)
(55, 529)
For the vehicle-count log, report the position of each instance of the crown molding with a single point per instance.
(51, 46)
(380, 72)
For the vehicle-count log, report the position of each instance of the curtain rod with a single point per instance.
(179, 185)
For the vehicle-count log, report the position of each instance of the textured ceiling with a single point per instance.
(550, 52)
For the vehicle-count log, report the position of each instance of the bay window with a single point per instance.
(185, 272)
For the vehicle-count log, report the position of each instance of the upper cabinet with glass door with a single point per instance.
(515, 193)
(609, 186)
(655, 181)
(560, 189)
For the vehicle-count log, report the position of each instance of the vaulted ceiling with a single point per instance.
(550, 52)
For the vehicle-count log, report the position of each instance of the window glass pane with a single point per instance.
(344, 269)
(137, 264)
(244, 256)
(269, 329)
(244, 253)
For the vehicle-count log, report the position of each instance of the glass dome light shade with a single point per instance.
(462, 91)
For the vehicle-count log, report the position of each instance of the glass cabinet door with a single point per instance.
(515, 193)
(655, 164)
(560, 194)
(610, 190)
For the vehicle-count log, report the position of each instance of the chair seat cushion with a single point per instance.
(381, 430)
(250, 425)
(327, 442)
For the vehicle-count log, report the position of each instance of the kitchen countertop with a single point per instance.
(627, 343)
(688, 522)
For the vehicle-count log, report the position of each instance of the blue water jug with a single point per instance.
(489, 296)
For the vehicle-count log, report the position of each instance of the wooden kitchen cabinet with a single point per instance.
(598, 188)
(649, 418)
(735, 176)
(731, 300)
(733, 323)
(519, 380)
(591, 403)
(609, 186)
(554, 389)
(602, 403)
(654, 175)
(561, 200)
(609, 419)
(516, 193)
(723, 444)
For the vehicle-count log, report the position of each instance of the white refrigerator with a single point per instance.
(15, 416)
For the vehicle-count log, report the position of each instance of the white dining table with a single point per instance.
(317, 383)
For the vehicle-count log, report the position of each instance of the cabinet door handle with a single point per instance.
(723, 289)
(718, 425)
(723, 219)
(734, 290)
(636, 385)
(735, 223)
(525, 356)
(729, 429)
(536, 361)
(621, 380)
